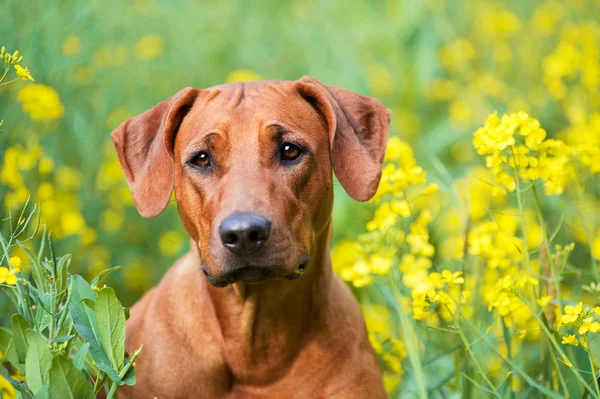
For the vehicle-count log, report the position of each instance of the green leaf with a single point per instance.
(104, 273)
(19, 328)
(66, 382)
(43, 312)
(129, 377)
(84, 321)
(110, 318)
(79, 360)
(38, 361)
(61, 276)
(42, 393)
(7, 347)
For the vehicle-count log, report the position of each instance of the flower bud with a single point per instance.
(16, 54)
(3, 50)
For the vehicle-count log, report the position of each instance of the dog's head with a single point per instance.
(251, 165)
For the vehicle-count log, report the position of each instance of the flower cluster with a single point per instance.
(41, 102)
(532, 157)
(581, 319)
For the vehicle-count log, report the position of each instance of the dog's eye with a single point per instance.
(202, 159)
(290, 152)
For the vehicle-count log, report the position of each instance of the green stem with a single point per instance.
(113, 390)
(476, 363)
(556, 346)
(589, 352)
(9, 82)
(99, 383)
(557, 367)
(6, 69)
(542, 222)
(408, 334)
(522, 217)
(589, 234)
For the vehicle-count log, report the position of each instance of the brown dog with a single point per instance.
(254, 310)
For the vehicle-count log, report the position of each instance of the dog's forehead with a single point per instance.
(249, 88)
(257, 97)
(251, 103)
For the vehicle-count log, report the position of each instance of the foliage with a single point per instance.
(66, 334)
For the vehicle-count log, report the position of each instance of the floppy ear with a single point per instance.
(358, 129)
(145, 148)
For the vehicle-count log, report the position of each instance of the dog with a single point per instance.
(254, 310)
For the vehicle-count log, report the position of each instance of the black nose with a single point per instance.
(244, 233)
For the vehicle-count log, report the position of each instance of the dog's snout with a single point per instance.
(244, 233)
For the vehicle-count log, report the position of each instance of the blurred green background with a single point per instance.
(442, 66)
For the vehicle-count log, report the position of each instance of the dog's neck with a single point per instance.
(265, 325)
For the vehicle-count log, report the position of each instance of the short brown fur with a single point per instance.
(278, 338)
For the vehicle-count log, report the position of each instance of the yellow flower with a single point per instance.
(16, 263)
(88, 236)
(570, 340)
(46, 165)
(589, 325)
(7, 276)
(41, 102)
(7, 391)
(170, 243)
(544, 301)
(596, 248)
(68, 178)
(136, 276)
(452, 278)
(380, 264)
(149, 47)
(242, 75)
(461, 114)
(23, 73)
(72, 223)
(112, 219)
(497, 134)
(71, 45)
(571, 313)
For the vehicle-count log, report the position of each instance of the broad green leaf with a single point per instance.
(66, 382)
(7, 347)
(79, 360)
(42, 393)
(19, 328)
(110, 318)
(104, 273)
(84, 321)
(37, 362)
